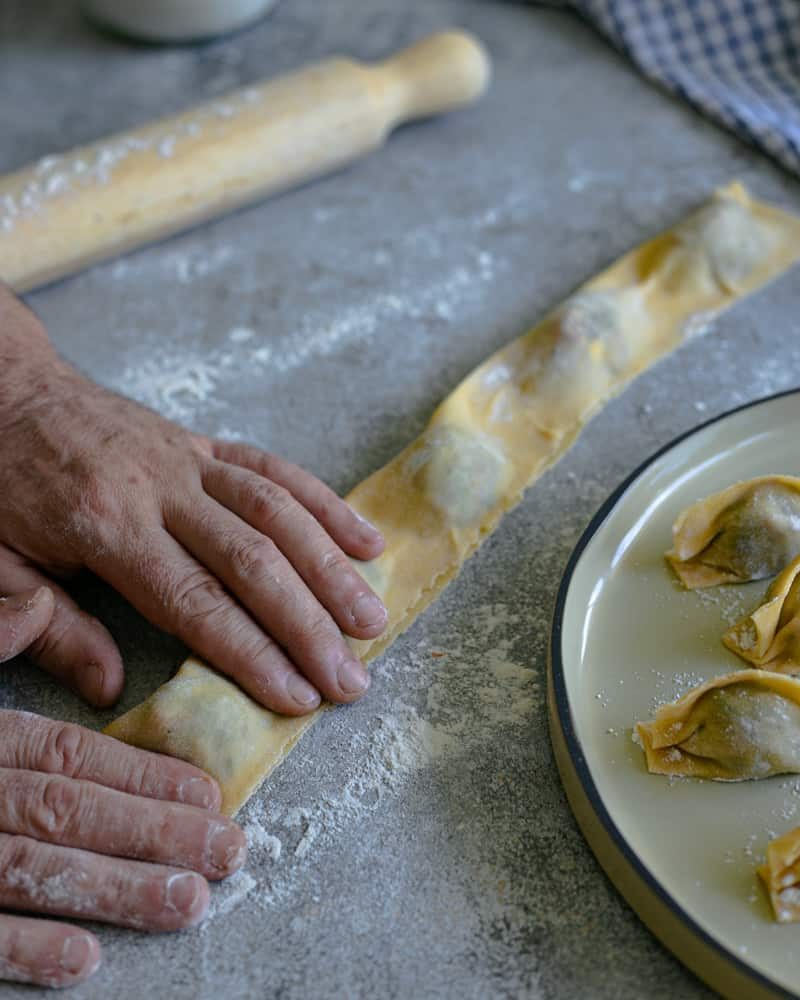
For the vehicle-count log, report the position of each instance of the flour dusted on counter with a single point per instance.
(282, 843)
(503, 691)
(182, 388)
(193, 386)
(394, 748)
(174, 385)
(227, 895)
(259, 839)
(320, 334)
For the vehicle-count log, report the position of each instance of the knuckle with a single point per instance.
(18, 855)
(14, 952)
(196, 597)
(320, 629)
(264, 461)
(94, 500)
(328, 505)
(147, 777)
(333, 564)
(51, 641)
(56, 811)
(254, 558)
(96, 497)
(167, 827)
(264, 651)
(313, 634)
(65, 749)
(268, 501)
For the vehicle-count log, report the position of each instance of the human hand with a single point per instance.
(95, 829)
(239, 553)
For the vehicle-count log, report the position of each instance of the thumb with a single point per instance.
(23, 618)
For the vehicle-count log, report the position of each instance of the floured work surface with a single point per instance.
(493, 436)
(418, 841)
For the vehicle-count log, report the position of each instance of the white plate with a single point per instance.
(627, 637)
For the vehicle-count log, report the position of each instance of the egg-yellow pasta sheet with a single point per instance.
(497, 432)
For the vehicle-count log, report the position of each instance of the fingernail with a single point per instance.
(198, 792)
(226, 848)
(352, 677)
(368, 610)
(75, 954)
(301, 691)
(183, 894)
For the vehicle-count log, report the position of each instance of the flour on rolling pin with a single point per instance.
(66, 212)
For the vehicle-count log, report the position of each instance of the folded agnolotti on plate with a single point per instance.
(491, 438)
(781, 876)
(747, 532)
(741, 726)
(769, 638)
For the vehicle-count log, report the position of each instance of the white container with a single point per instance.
(176, 20)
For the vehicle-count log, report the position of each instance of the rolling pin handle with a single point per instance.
(442, 72)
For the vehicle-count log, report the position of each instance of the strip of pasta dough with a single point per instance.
(501, 428)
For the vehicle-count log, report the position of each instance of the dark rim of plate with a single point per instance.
(565, 713)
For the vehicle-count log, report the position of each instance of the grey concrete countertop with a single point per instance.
(417, 844)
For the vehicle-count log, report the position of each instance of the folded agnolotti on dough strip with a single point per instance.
(741, 726)
(491, 438)
(747, 532)
(769, 638)
(781, 876)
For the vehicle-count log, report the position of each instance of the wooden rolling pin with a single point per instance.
(66, 212)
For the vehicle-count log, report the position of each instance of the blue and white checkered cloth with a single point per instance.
(738, 61)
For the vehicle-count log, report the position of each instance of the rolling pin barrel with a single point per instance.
(66, 212)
